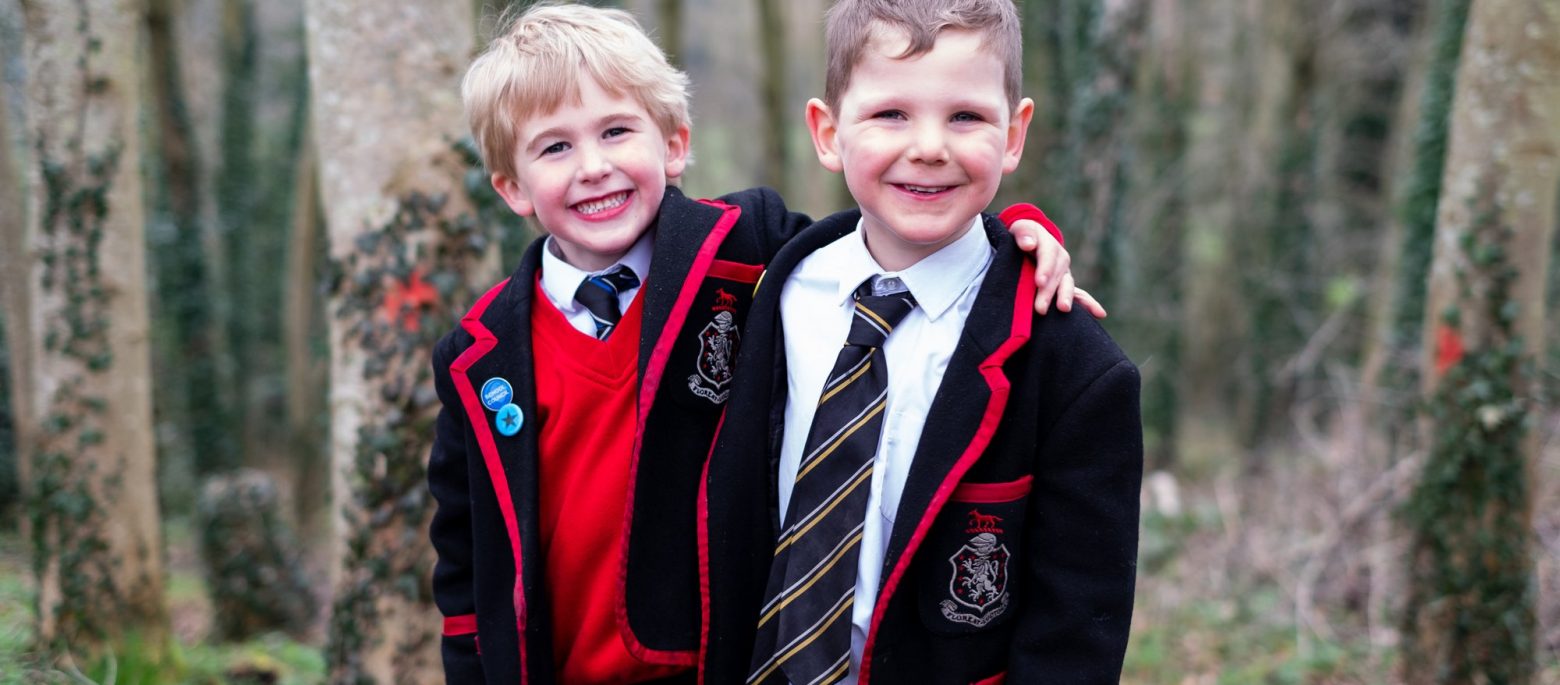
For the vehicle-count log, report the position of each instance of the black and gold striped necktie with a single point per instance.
(804, 628)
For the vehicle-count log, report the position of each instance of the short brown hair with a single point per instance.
(537, 61)
(850, 26)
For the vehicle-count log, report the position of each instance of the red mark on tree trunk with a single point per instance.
(406, 300)
(1448, 348)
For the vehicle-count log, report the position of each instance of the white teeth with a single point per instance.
(925, 189)
(603, 204)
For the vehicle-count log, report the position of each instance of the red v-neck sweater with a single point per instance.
(585, 391)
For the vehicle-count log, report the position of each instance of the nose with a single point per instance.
(594, 164)
(930, 144)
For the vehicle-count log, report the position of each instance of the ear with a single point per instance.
(824, 129)
(513, 194)
(1018, 128)
(677, 152)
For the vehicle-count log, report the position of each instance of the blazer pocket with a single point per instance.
(971, 556)
(735, 271)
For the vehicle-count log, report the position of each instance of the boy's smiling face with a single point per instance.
(923, 141)
(593, 172)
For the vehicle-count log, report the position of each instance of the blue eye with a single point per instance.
(968, 116)
(889, 114)
(555, 148)
(616, 131)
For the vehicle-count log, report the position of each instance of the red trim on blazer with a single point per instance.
(703, 518)
(992, 493)
(647, 387)
(464, 624)
(475, 414)
(736, 271)
(991, 369)
(997, 679)
(1024, 210)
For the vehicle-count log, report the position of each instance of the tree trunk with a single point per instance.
(97, 546)
(1278, 239)
(669, 23)
(1094, 67)
(194, 44)
(409, 258)
(14, 268)
(302, 327)
(1364, 424)
(1211, 329)
(1397, 365)
(1471, 616)
(189, 360)
(776, 81)
(1149, 300)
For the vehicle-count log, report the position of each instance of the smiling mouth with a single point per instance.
(921, 190)
(603, 204)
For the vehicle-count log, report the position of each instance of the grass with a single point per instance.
(193, 661)
(1246, 640)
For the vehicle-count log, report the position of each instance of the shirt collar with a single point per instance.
(936, 281)
(560, 279)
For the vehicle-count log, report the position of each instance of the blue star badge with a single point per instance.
(509, 420)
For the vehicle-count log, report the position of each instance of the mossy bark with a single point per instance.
(1471, 592)
(91, 487)
(409, 257)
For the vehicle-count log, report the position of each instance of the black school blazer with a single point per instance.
(488, 581)
(1024, 487)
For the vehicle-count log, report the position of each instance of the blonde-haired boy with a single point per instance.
(581, 395)
(951, 496)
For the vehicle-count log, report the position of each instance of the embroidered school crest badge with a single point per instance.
(979, 583)
(717, 348)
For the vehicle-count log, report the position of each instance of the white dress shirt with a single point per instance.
(815, 309)
(560, 279)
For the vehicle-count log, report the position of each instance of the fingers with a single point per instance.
(1064, 293)
(1026, 239)
(1052, 272)
(1089, 303)
(1046, 285)
(1028, 234)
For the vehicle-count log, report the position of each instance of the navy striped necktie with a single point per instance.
(804, 627)
(599, 295)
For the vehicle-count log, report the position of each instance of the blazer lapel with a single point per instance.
(682, 256)
(766, 308)
(963, 400)
(510, 357)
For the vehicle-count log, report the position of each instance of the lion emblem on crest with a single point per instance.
(979, 583)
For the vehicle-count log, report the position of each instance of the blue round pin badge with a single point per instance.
(509, 420)
(496, 393)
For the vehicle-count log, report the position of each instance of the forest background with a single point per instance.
(230, 230)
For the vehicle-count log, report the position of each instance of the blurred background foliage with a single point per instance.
(1346, 375)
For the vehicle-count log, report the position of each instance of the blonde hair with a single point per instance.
(537, 61)
(850, 26)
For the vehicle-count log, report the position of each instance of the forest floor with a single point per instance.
(1291, 572)
(271, 659)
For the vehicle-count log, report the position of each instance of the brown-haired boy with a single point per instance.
(950, 497)
(581, 395)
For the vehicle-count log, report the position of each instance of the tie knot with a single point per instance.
(614, 280)
(877, 315)
(599, 295)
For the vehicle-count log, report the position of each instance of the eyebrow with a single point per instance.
(561, 131)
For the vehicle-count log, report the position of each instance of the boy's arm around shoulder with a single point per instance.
(1088, 469)
(765, 215)
(450, 531)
